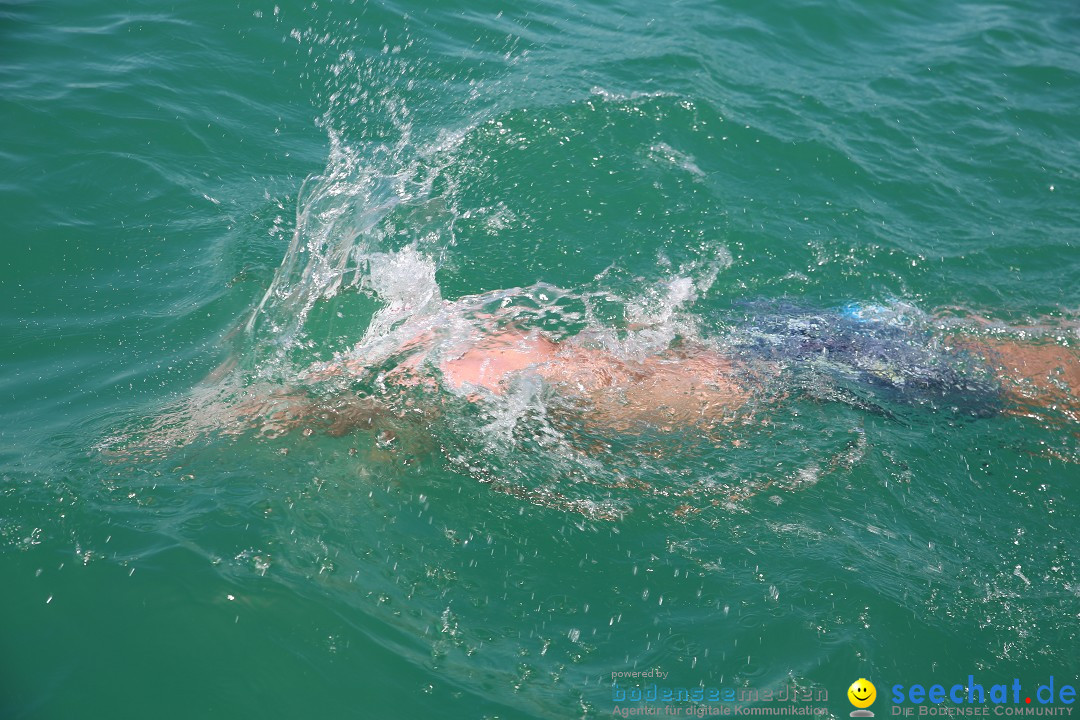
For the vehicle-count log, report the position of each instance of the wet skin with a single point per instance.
(691, 385)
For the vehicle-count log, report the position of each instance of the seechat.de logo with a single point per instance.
(862, 694)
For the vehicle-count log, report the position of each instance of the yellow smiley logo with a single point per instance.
(862, 693)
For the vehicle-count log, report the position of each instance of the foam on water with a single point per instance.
(359, 284)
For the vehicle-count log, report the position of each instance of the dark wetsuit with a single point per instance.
(871, 356)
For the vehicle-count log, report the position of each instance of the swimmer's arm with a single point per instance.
(280, 412)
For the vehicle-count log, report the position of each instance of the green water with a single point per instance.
(153, 162)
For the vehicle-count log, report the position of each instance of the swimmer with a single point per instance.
(689, 385)
(593, 387)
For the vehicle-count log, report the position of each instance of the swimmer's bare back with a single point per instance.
(689, 388)
(667, 391)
